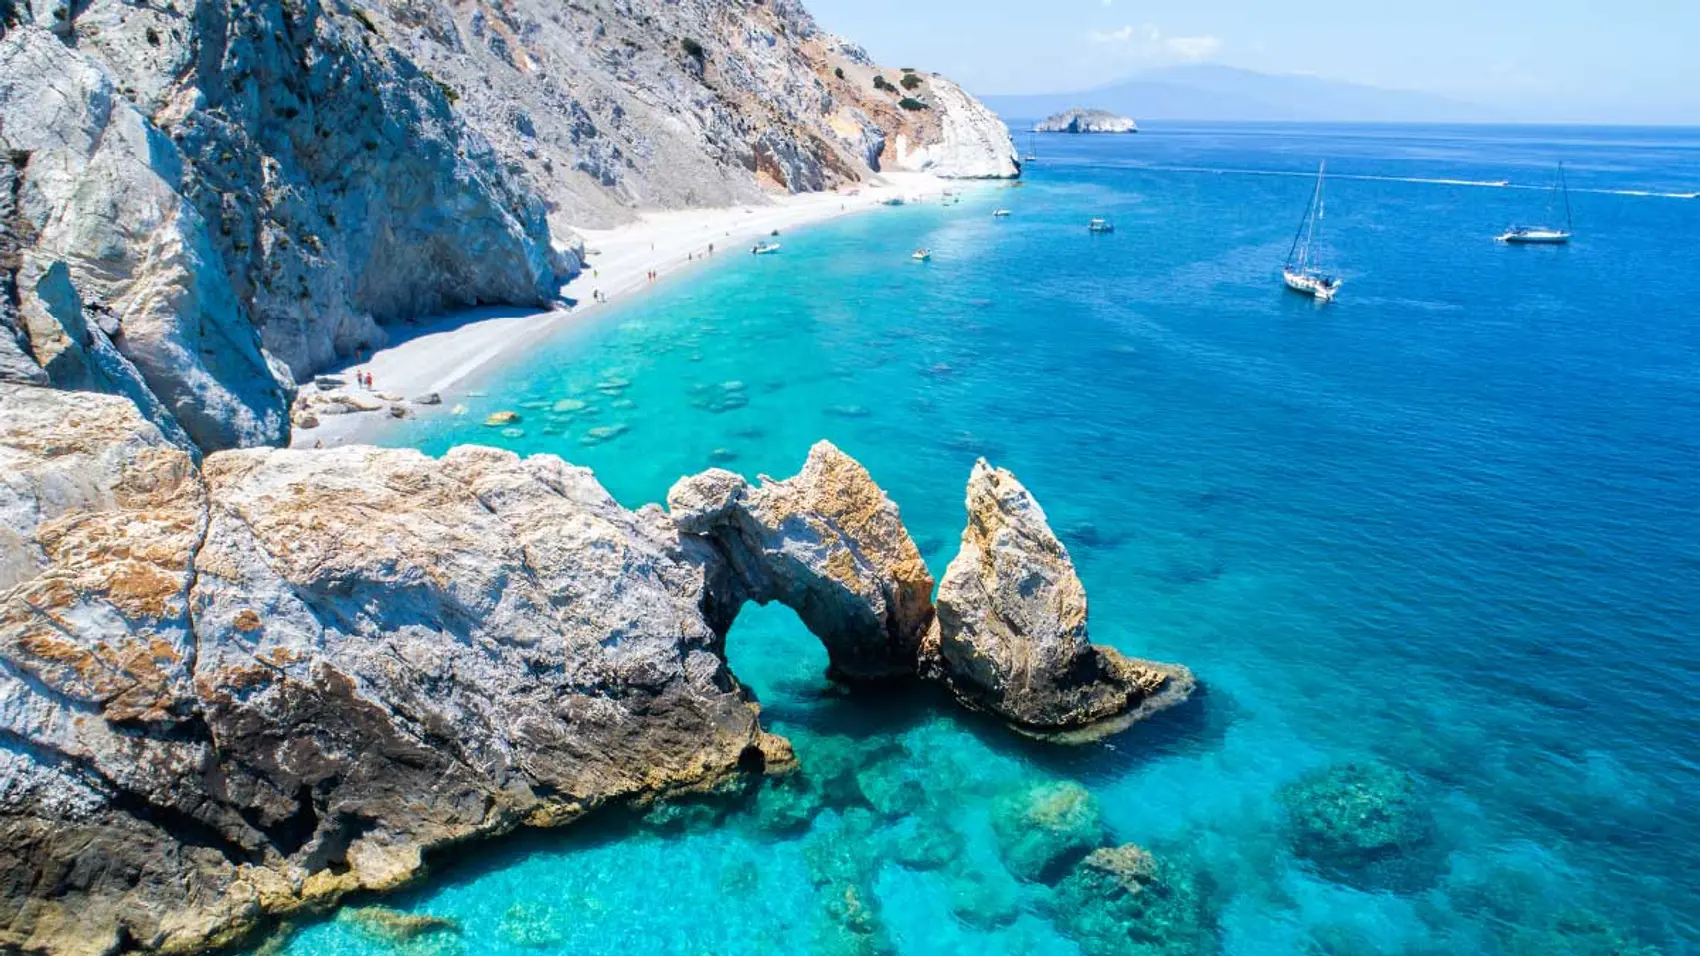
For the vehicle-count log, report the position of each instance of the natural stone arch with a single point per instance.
(827, 543)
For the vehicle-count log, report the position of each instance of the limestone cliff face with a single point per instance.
(619, 105)
(236, 691)
(203, 202)
(236, 194)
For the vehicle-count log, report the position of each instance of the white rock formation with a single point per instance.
(1080, 120)
(971, 143)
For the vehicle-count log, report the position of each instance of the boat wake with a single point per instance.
(1421, 180)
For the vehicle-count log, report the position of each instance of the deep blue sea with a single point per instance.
(1447, 527)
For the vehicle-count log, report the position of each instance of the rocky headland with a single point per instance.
(1080, 120)
(203, 204)
(243, 687)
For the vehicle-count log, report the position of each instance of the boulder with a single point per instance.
(1010, 637)
(1122, 901)
(1364, 824)
(1043, 828)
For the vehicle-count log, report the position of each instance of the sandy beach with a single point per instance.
(435, 355)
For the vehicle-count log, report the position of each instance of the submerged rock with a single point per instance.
(851, 925)
(1364, 824)
(1122, 901)
(1011, 631)
(387, 925)
(1043, 828)
(984, 900)
(534, 926)
(920, 844)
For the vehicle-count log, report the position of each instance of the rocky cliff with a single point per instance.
(240, 690)
(204, 202)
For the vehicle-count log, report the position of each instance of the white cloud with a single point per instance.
(1149, 42)
(1193, 48)
(1111, 36)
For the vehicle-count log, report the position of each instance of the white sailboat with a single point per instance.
(1544, 235)
(1303, 273)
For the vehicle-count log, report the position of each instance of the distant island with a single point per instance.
(1079, 120)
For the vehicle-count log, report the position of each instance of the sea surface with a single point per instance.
(1434, 550)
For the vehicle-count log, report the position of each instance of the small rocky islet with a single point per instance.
(1081, 120)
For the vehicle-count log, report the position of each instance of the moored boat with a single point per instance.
(922, 255)
(1303, 272)
(1100, 225)
(999, 213)
(1544, 235)
(764, 248)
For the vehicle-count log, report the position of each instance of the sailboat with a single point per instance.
(1302, 273)
(1032, 154)
(1545, 235)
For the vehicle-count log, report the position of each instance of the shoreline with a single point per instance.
(443, 352)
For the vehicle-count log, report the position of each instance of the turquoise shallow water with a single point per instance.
(1447, 525)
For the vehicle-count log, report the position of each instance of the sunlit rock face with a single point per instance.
(203, 204)
(829, 544)
(1011, 631)
(242, 687)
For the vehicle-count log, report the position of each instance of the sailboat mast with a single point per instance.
(1307, 225)
(1565, 187)
(1315, 214)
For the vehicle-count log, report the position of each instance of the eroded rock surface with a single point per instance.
(203, 203)
(239, 694)
(828, 543)
(1011, 631)
(240, 690)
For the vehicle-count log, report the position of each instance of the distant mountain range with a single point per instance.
(1213, 92)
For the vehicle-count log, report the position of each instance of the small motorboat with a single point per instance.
(922, 255)
(764, 248)
(1100, 225)
(999, 213)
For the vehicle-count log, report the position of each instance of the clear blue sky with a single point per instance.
(1629, 60)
